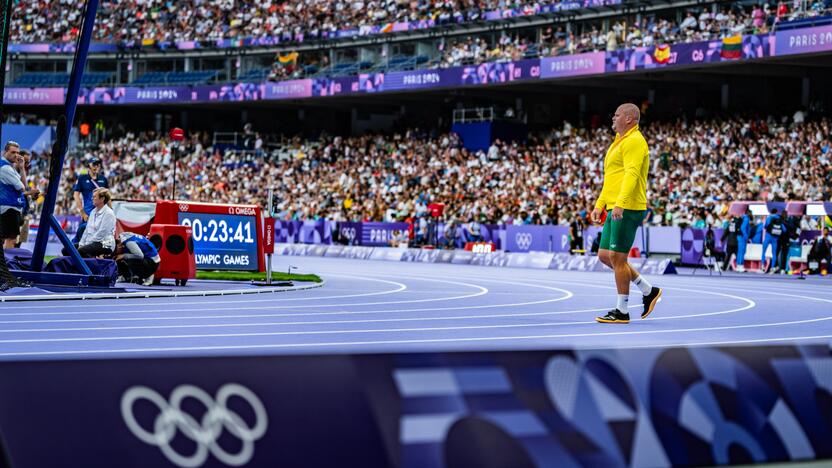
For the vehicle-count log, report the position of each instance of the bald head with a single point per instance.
(626, 117)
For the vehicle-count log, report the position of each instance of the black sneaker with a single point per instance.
(650, 301)
(614, 316)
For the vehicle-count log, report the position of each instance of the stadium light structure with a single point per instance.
(56, 163)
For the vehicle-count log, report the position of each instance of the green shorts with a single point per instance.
(618, 234)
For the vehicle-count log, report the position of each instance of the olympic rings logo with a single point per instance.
(524, 240)
(183, 207)
(349, 233)
(205, 433)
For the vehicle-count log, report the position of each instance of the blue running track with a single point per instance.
(373, 306)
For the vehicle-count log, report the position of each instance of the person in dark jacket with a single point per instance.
(791, 234)
(821, 251)
(731, 234)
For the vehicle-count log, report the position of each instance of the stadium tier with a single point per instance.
(606, 40)
(415, 233)
(151, 22)
(699, 168)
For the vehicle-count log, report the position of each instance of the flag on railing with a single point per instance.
(288, 58)
(662, 53)
(732, 47)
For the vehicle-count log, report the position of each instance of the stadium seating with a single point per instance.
(254, 74)
(47, 80)
(176, 78)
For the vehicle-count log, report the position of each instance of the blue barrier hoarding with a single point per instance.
(701, 406)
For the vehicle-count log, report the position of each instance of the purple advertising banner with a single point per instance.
(529, 238)
(149, 95)
(303, 232)
(693, 245)
(334, 86)
(287, 89)
(419, 79)
(572, 65)
(34, 96)
(758, 46)
(803, 41)
(380, 234)
(499, 72)
(371, 82)
(349, 232)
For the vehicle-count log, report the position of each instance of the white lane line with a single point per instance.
(424, 341)
(749, 303)
(233, 306)
(86, 305)
(353, 331)
(389, 342)
(567, 295)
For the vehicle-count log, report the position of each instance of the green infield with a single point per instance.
(253, 276)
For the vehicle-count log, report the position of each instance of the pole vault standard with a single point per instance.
(59, 148)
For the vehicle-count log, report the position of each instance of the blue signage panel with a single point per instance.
(223, 242)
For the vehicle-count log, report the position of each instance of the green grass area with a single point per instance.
(253, 275)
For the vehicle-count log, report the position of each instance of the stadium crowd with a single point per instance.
(143, 21)
(205, 20)
(644, 31)
(698, 168)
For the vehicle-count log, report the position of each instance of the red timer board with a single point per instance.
(226, 237)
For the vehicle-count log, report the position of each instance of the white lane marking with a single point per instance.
(233, 306)
(424, 341)
(383, 330)
(567, 295)
(376, 343)
(749, 303)
(85, 305)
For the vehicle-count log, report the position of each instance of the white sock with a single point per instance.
(643, 285)
(623, 299)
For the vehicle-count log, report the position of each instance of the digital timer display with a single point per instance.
(223, 242)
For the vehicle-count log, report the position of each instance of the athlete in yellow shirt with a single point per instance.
(624, 196)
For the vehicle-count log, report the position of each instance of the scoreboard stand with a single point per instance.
(226, 237)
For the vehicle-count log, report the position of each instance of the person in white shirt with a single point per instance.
(99, 237)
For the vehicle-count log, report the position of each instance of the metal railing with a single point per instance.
(476, 114)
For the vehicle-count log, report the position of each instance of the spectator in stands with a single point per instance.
(137, 259)
(821, 252)
(399, 239)
(83, 190)
(474, 229)
(448, 240)
(99, 237)
(704, 164)
(773, 230)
